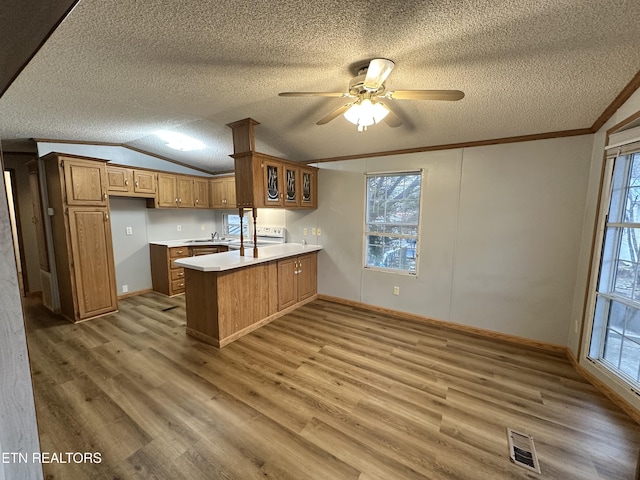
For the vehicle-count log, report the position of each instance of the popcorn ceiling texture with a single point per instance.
(117, 71)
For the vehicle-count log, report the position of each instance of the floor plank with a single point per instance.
(326, 392)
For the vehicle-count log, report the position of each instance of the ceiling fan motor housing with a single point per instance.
(356, 85)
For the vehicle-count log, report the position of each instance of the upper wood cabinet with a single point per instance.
(85, 181)
(201, 192)
(186, 197)
(265, 181)
(167, 194)
(223, 192)
(131, 182)
(309, 187)
(291, 186)
(272, 183)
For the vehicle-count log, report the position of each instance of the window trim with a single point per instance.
(418, 171)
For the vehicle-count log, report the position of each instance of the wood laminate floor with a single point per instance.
(327, 392)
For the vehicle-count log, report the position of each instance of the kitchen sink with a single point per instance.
(208, 240)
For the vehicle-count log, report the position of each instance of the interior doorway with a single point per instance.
(16, 231)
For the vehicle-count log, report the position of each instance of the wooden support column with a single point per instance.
(255, 234)
(243, 136)
(241, 234)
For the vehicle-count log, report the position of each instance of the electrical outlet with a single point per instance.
(305, 231)
(129, 231)
(125, 288)
(396, 290)
(179, 228)
(202, 227)
(318, 231)
(313, 231)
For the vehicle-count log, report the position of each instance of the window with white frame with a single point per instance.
(392, 221)
(615, 339)
(231, 224)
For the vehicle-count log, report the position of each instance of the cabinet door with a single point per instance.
(287, 284)
(36, 199)
(308, 183)
(201, 189)
(167, 191)
(217, 193)
(85, 182)
(292, 186)
(273, 183)
(144, 182)
(230, 192)
(119, 179)
(185, 192)
(92, 261)
(307, 276)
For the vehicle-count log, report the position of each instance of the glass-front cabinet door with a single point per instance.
(308, 183)
(292, 183)
(273, 184)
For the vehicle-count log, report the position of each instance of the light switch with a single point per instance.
(313, 231)
(318, 231)
(129, 230)
(305, 231)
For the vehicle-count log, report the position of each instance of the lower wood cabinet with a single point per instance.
(297, 279)
(166, 276)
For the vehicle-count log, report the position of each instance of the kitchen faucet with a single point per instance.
(214, 235)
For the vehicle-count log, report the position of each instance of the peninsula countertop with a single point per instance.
(219, 262)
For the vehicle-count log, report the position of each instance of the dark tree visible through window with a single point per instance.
(392, 221)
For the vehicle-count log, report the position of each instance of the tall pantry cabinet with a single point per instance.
(81, 230)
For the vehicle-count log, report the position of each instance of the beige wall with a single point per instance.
(500, 236)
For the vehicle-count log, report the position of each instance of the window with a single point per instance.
(615, 339)
(392, 221)
(231, 224)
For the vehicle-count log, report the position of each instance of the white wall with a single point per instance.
(500, 230)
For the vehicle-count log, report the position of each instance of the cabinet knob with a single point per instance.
(176, 199)
(106, 217)
(126, 181)
(197, 201)
(104, 195)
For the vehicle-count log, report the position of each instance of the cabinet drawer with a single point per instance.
(178, 252)
(173, 266)
(177, 274)
(177, 285)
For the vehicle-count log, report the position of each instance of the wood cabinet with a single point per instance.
(167, 195)
(264, 181)
(267, 181)
(130, 182)
(181, 191)
(201, 192)
(186, 198)
(291, 176)
(309, 187)
(166, 276)
(297, 279)
(81, 231)
(223, 192)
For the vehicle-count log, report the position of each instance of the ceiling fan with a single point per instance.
(367, 90)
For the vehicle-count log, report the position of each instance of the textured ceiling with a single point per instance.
(118, 71)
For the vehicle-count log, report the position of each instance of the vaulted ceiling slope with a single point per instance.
(120, 71)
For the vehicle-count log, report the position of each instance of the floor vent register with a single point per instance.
(522, 450)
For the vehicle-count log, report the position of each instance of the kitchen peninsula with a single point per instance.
(229, 295)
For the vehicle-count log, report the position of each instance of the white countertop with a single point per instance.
(219, 262)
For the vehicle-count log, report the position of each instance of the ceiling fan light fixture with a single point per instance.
(366, 113)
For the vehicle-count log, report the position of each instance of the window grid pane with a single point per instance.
(392, 217)
(615, 340)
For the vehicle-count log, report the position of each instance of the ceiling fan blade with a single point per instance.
(451, 95)
(314, 94)
(336, 113)
(391, 118)
(377, 72)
